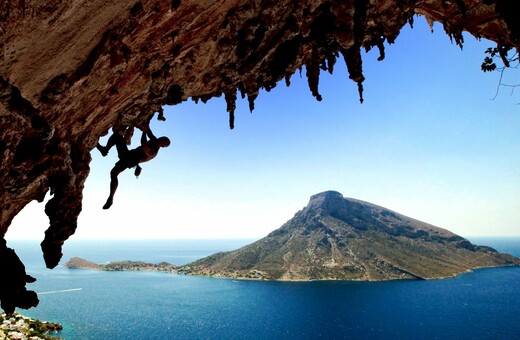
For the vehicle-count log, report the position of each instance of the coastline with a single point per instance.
(468, 271)
(18, 326)
(254, 275)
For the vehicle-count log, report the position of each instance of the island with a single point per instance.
(79, 263)
(338, 238)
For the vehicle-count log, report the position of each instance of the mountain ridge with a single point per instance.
(338, 238)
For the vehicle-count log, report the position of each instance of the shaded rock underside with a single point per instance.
(70, 70)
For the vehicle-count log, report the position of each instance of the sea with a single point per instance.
(483, 304)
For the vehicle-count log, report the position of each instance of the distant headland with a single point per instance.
(338, 238)
(79, 263)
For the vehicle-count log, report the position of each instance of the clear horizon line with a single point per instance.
(206, 238)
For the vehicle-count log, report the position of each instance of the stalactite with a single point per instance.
(231, 101)
(352, 55)
(331, 61)
(360, 91)
(251, 99)
(288, 79)
(242, 89)
(455, 34)
(313, 74)
(381, 47)
(63, 210)
(353, 60)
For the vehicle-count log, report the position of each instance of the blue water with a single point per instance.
(484, 304)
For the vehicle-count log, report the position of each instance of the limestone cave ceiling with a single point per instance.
(71, 70)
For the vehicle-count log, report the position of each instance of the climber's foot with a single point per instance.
(108, 204)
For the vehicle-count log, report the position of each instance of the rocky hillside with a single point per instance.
(79, 263)
(337, 238)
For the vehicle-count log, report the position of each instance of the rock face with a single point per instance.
(71, 70)
(337, 238)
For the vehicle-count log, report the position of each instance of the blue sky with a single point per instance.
(428, 142)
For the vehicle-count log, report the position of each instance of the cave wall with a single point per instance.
(71, 70)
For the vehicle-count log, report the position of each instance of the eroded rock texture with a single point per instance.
(70, 70)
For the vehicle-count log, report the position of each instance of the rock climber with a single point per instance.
(130, 158)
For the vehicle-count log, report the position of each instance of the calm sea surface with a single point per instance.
(484, 304)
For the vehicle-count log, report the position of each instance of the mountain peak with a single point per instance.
(327, 203)
(326, 195)
(326, 200)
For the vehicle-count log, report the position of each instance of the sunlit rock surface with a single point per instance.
(70, 70)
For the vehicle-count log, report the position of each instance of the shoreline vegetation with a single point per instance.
(253, 274)
(79, 263)
(17, 326)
